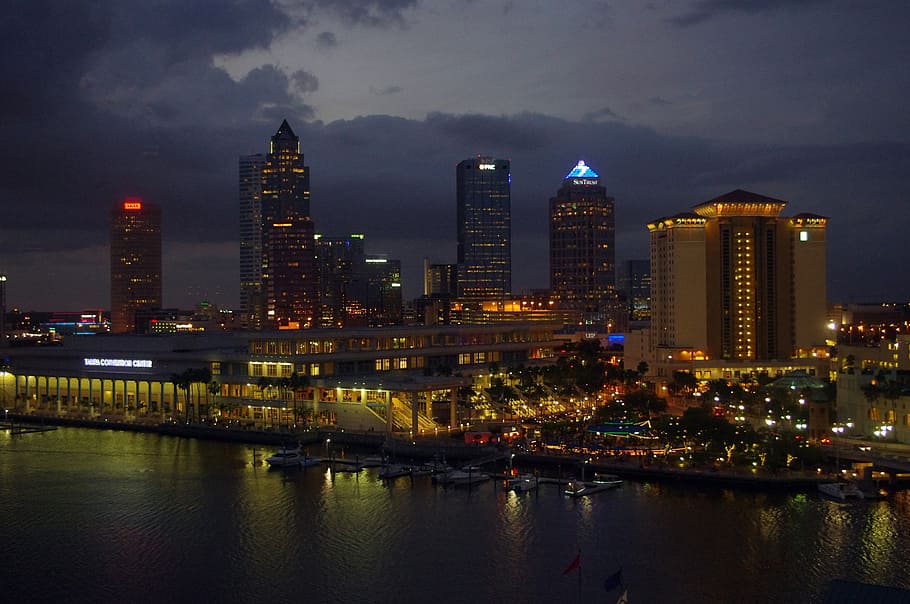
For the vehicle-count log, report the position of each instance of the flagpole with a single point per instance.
(579, 577)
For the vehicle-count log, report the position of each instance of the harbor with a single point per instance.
(136, 516)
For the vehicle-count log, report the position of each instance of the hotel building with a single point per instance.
(483, 190)
(736, 289)
(135, 262)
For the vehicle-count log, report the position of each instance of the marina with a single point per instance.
(155, 507)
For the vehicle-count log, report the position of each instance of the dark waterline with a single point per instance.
(103, 516)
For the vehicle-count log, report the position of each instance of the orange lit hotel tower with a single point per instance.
(278, 269)
(736, 280)
(135, 262)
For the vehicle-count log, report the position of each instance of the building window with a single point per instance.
(804, 235)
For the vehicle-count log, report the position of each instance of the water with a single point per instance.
(101, 516)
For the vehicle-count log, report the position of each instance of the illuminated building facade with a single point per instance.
(635, 283)
(737, 281)
(356, 289)
(339, 260)
(440, 279)
(135, 262)
(483, 189)
(251, 300)
(582, 242)
(281, 291)
(369, 378)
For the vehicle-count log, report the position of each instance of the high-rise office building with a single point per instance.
(285, 296)
(382, 296)
(582, 242)
(440, 279)
(340, 261)
(483, 188)
(135, 262)
(356, 289)
(251, 299)
(736, 280)
(635, 284)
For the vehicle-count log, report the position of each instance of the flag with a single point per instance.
(613, 581)
(574, 565)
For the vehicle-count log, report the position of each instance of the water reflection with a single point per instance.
(117, 516)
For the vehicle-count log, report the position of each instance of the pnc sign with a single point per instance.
(486, 166)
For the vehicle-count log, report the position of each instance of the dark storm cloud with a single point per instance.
(326, 39)
(602, 113)
(305, 81)
(44, 48)
(385, 91)
(373, 13)
(523, 131)
(709, 9)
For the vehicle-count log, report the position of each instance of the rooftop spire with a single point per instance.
(285, 132)
(582, 170)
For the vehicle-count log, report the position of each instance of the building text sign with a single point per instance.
(132, 363)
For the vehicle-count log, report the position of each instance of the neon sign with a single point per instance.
(140, 363)
(132, 205)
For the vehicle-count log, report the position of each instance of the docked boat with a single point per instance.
(523, 483)
(462, 477)
(291, 458)
(841, 490)
(602, 482)
(393, 471)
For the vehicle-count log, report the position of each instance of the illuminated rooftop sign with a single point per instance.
(140, 363)
(486, 166)
(132, 204)
(581, 170)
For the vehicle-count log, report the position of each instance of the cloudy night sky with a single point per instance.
(672, 102)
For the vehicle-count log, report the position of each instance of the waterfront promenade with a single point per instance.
(560, 465)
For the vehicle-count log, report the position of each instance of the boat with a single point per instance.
(841, 490)
(291, 458)
(465, 476)
(602, 482)
(392, 471)
(523, 483)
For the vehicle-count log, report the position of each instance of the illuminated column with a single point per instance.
(59, 402)
(453, 407)
(388, 411)
(414, 423)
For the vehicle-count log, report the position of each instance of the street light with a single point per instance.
(2, 310)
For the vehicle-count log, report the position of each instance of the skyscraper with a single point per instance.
(251, 299)
(483, 188)
(736, 280)
(285, 295)
(582, 243)
(341, 262)
(635, 283)
(135, 262)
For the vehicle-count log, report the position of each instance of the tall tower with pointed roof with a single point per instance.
(582, 243)
(280, 291)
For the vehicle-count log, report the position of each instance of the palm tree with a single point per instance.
(296, 383)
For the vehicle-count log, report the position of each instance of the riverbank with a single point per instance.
(450, 450)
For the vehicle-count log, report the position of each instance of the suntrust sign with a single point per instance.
(141, 363)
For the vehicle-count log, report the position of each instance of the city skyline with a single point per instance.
(675, 103)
